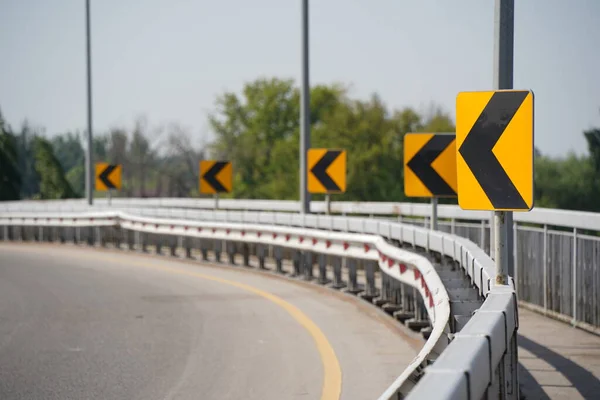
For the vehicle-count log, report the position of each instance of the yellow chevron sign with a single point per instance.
(494, 150)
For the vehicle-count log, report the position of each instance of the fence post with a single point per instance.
(545, 261)
(515, 256)
(574, 283)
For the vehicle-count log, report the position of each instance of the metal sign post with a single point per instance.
(433, 223)
(216, 195)
(504, 20)
(328, 203)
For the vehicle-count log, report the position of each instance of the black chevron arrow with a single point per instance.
(104, 176)
(421, 165)
(210, 176)
(477, 147)
(319, 170)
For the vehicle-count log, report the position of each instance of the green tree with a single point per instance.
(593, 138)
(141, 157)
(10, 179)
(68, 150)
(53, 184)
(564, 183)
(248, 130)
(26, 161)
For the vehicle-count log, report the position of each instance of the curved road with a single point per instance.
(80, 323)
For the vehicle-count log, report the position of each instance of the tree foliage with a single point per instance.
(53, 184)
(10, 179)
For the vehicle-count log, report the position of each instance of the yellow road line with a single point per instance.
(332, 373)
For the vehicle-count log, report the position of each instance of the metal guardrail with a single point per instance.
(556, 252)
(477, 361)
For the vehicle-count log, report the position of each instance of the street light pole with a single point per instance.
(89, 176)
(304, 113)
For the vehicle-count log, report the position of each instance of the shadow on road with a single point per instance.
(580, 378)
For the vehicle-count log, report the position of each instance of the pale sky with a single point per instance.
(168, 59)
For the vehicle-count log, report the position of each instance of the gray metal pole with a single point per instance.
(89, 174)
(304, 113)
(504, 19)
(434, 214)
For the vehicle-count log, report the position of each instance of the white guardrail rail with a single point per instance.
(471, 349)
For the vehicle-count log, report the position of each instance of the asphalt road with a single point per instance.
(79, 323)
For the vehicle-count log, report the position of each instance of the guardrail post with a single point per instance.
(116, 237)
(297, 260)
(261, 250)
(143, 242)
(383, 294)
(308, 265)
(187, 245)
(204, 249)
(91, 237)
(218, 248)
(173, 246)
(278, 261)
(352, 276)
(180, 244)
(322, 269)
(130, 240)
(229, 248)
(246, 254)
(158, 244)
(407, 307)
(136, 241)
(100, 236)
(5, 235)
(370, 289)
(338, 283)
